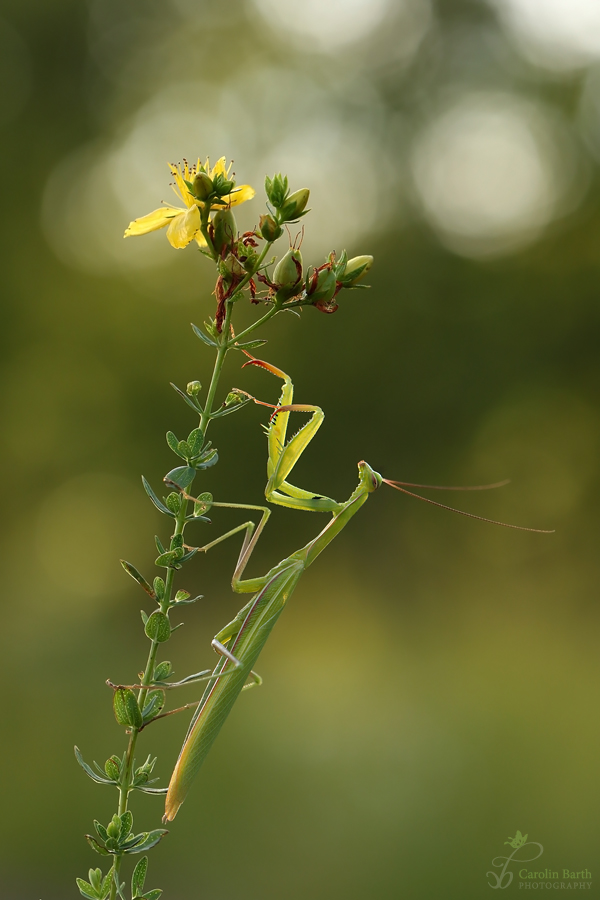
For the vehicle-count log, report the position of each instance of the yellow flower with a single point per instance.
(184, 223)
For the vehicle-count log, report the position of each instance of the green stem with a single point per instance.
(269, 315)
(204, 214)
(127, 773)
(224, 346)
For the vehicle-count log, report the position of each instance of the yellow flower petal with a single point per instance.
(220, 168)
(153, 221)
(183, 228)
(240, 195)
(180, 187)
(200, 239)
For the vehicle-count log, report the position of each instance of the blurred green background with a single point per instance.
(434, 684)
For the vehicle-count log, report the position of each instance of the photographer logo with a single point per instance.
(529, 878)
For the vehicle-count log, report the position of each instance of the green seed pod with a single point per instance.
(112, 767)
(126, 709)
(288, 274)
(321, 285)
(269, 228)
(295, 205)
(193, 388)
(158, 627)
(355, 269)
(224, 230)
(203, 186)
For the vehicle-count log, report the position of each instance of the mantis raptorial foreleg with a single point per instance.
(283, 457)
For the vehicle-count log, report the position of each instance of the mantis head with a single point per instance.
(368, 477)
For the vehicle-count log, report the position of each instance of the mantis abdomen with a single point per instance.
(223, 690)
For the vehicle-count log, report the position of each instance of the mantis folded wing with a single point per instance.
(241, 641)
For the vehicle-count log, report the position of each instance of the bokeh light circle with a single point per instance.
(490, 172)
(324, 24)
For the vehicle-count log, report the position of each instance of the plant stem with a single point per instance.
(127, 773)
(180, 521)
(269, 315)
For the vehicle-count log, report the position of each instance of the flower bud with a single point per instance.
(114, 827)
(269, 228)
(276, 189)
(321, 285)
(288, 274)
(295, 205)
(223, 186)
(193, 388)
(203, 186)
(224, 229)
(355, 269)
(234, 397)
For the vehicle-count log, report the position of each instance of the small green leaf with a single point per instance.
(159, 587)
(203, 503)
(96, 846)
(101, 830)
(158, 627)
(173, 502)
(150, 839)
(187, 556)
(88, 771)
(195, 441)
(106, 882)
(166, 560)
(172, 441)
(126, 708)
(144, 616)
(126, 825)
(160, 506)
(152, 895)
(187, 600)
(159, 545)
(95, 876)
(181, 476)
(191, 401)
(202, 336)
(131, 570)
(139, 876)
(180, 596)
(248, 345)
(162, 671)
(176, 542)
(112, 767)
(156, 701)
(86, 890)
(151, 790)
(207, 460)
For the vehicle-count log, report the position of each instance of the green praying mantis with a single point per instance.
(241, 641)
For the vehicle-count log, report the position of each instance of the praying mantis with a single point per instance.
(241, 641)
